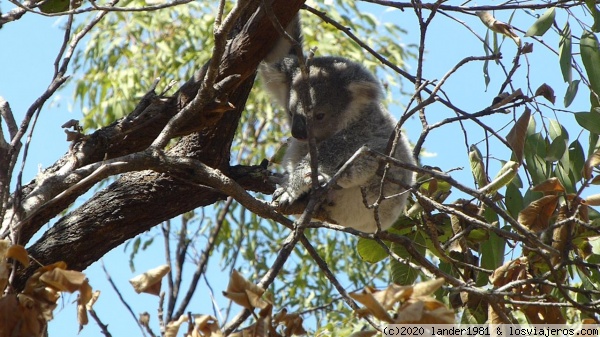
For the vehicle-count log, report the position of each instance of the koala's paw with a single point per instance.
(281, 198)
(293, 190)
(285, 195)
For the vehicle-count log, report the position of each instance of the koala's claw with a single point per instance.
(282, 198)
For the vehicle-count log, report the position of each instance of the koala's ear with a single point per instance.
(275, 82)
(364, 92)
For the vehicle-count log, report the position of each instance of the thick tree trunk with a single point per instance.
(140, 200)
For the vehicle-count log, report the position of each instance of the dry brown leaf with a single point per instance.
(144, 319)
(33, 282)
(393, 294)
(527, 48)
(90, 304)
(292, 322)
(10, 251)
(508, 271)
(516, 136)
(498, 26)
(410, 312)
(576, 201)
(551, 185)
(377, 303)
(537, 314)
(172, 327)
(593, 200)
(82, 317)
(244, 292)
(590, 163)
(427, 288)
(262, 328)
(494, 317)
(563, 234)
(417, 305)
(42, 292)
(441, 315)
(537, 215)
(4, 266)
(20, 319)
(424, 310)
(18, 253)
(206, 326)
(64, 280)
(595, 180)
(150, 281)
(547, 92)
(85, 297)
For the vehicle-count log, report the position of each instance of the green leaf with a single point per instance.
(542, 24)
(590, 55)
(531, 127)
(566, 177)
(57, 6)
(486, 74)
(513, 200)
(593, 143)
(478, 235)
(492, 250)
(370, 251)
(589, 120)
(134, 251)
(571, 93)
(576, 159)
(595, 13)
(506, 174)
(535, 152)
(560, 139)
(565, 53)
(403, 273)
(556, 150)
(556, 130)
(477, 167)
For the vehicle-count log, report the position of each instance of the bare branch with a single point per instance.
(122, 299)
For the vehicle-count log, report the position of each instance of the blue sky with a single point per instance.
(30, 45)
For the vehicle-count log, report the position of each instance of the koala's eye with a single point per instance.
(320, 116)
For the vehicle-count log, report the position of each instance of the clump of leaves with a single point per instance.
(412, 304)
(28, 312)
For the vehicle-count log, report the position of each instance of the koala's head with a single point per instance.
(338, 89)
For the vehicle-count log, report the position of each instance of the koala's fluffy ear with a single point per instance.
(364, 92)
(284, 47)
(276, 83)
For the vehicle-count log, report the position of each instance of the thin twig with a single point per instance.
(103, 327)
(204, 258)
(121, 298)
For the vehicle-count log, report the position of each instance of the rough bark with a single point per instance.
(140, 200)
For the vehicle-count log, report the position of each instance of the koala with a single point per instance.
(348, 113)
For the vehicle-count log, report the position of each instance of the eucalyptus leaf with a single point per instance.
(590, 55)
(565, 53)
(542, 24)
(370, 251)
(571, 93)
(589, 121)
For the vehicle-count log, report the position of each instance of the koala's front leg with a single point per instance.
(298, 184)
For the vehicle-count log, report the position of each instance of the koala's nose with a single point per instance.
(299, 127)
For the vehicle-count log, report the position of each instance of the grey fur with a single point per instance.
(348, 114)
